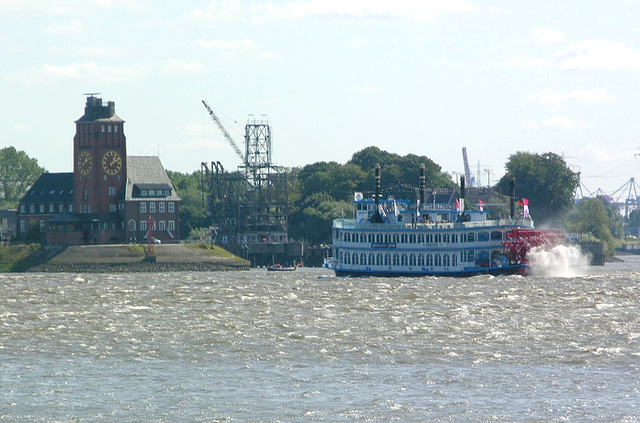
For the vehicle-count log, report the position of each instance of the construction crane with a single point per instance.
(225, 133)
(467, 171)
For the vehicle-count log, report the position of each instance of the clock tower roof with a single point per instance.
(95, 111)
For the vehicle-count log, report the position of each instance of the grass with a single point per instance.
(18, 258)
(215, 251)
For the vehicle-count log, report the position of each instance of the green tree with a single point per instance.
(593, 216)
(313, 219)
(192, 209)
(545, 180)
(17, 173)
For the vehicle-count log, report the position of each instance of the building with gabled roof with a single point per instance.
(109, 197)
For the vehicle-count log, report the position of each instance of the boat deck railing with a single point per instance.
(352, 224)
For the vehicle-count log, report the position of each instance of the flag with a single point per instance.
(481, 205)
(525, 206)
(357, 196)
(457, 205)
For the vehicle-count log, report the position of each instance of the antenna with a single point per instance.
(91, 94)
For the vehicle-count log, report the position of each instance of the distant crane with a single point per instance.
(225, 133)
(467, 171)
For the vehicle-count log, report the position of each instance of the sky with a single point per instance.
(333, 77)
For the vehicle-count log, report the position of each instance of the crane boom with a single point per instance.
(467, 171)
(224, 132)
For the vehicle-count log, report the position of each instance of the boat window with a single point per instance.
(403, 260)
(445, 260)
(355, 258)
(412, 259)
(371, 259)
(403, 238)
(454, 238)
(395, 259)
(340, 257)
(437, 261)
(438, 238)
(429, 260)
(379, 259)
(396, 238)
(347, 258)
(387, 259)
(496, 235)
(471, 237)
(379, 238)
(463, 237)
(412, 238)
(445, 238)
(363, 237)
(387, 238)
(454, 260)
(470, 256)
(420, 238)
(483, 236)
(420, 259)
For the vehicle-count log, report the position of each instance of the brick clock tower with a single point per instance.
(100, 163)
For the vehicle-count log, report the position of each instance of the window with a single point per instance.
(42, 226)
(41, 208)
(103, 129)
(152, 193)
(112, 208)
(23, 226)
(161, 207)
(152, 207)
(110, 128)
(32, 208)
(52, 208)
(143, 225)
(112, 191)
(60, 208)
(143, 209)
(132, 225)
(162, 225)
(85, 195)
(115, 128)
(143, 193)
(23, 208)
(70, 208)
(171, 207)
(171, 225)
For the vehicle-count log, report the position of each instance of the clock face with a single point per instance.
(85, 162)
(111, 162)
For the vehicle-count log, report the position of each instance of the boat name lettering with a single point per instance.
(383, 245)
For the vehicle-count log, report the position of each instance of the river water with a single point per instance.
(305, 346)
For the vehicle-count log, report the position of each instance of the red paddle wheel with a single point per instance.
(520, 241)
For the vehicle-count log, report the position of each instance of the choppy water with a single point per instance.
(306, 346)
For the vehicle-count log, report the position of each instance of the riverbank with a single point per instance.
(118, 259)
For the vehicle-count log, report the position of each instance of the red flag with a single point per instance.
(525, 206)
(481, 205)
(457, 205)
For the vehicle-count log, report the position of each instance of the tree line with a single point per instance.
(323, 191)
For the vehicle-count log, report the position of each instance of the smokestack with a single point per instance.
(462, 188)
(376, 218)
(422, 184)
(512, 196)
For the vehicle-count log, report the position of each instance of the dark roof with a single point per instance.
(51, 188)
(147, 172)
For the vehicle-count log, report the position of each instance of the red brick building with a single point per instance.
(109, 197)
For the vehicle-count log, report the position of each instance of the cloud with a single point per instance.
(547, 96)
(561, 122)
(399, 9)
(528, 62)
(591, 54)
(69, 28)
(546, 36)
(82, 71)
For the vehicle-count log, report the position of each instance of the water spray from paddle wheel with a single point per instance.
(520, 241)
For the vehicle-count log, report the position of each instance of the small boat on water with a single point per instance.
(437, 237)
(281, 268)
